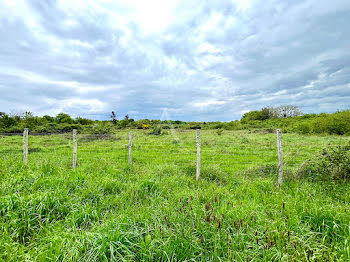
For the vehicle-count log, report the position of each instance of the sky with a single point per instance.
(191, 60)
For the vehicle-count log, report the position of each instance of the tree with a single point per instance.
(273, 112)
(126, 117)
(123, 123)
(28, 115)
(252, 115)
(48, 118)
(286, 111)
(83, 121)
(114, 118)
(6, 120)
(64, 118)
(266, 113)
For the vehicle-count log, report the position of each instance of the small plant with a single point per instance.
(158, 131)
(304, 128)
(333, 163)
(219, 131)
(176, 141)
(101, 129)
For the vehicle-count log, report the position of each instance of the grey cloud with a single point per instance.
(214, 61)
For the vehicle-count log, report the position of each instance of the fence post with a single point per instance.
(280, 156)
(130, 146)
(75, 148)
(25, 146)
(198, 171)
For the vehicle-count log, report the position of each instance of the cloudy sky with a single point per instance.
(178, 59)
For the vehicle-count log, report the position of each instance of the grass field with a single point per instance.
(155, 210)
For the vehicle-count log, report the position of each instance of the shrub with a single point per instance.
(219, 126)
(157, 131)
(219, 132)
(333, 163)
(195, 127)
(65, 128)
(15, 129)
(304, 128)
(101, 129)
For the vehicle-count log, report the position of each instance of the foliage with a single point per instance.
(265, 113)
(219, 131)
(267, 118)
(101, 129)
(285, 111)
(64, 118)
(113, 118)
(333, 163)
(157, 131)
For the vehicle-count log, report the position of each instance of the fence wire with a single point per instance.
(228, 151)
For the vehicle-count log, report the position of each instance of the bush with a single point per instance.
(219, 126)
(66, 128)
(304, 128)
(101, 129)
(195, 127)
(156, 131)
(15, 129)
(332, 163)
(219, 132)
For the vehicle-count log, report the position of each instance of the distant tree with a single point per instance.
(64, 118)
(49, 118)
(123, 123)
(126, 117)
(286, 111)
(266, 113)
(17, 115)
(252, 115)
(155, 122)
(83, 121)
(28, 115)
(6, 120)
(114, 118)
(273, 112)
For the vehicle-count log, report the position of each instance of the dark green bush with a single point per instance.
(332, 164)
(337, 123)
(304, 128)
(195, 127)
(219, 131)
(101, 129)
(156, 131)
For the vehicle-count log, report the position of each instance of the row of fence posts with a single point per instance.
(198, 140)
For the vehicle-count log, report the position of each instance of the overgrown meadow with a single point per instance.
(155, 210)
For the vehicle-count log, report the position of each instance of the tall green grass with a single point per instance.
(155, 210)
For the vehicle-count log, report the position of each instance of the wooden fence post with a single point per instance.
(198, 171)
(130, 146)
(280, 156)
(25, 146)
(75, 148)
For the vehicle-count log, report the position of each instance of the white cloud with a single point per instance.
(208, 103)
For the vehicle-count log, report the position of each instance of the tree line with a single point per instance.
(290, 118)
